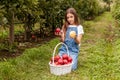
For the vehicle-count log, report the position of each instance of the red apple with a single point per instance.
(65, 56)
(33, 36)
(69, 62)
(69, 59)
(65, 61)
(57, 57)
(60, 61)
(57, 30)
(56, 63)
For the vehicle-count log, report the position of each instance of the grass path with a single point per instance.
(98, 59)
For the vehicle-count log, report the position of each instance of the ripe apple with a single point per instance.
(69, 59)
(57, 57)
(60, 61)
(65, 56)
(33, 36)
(65, 61)
(72, 34)
(56, 63)
(69, 62)
(57, 30)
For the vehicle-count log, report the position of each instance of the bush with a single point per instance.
(116, 12)
(10, 48)
(88, 9)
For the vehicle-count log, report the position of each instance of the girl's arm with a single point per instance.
(78, 39)
(62, 35)
(80, 34)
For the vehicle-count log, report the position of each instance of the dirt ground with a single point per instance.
(5, 54)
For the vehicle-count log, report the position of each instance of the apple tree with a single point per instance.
(53, 13)
(28, 14)
(10, 13)
(88, 9)
(116, 11)
(108, 2)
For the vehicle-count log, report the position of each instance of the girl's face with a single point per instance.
(70, 18)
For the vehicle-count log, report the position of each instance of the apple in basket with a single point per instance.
(70, 59)
(60, 61)
(65, 56)
(56, 58)
(63, 60)
(67, 59)
(56, 63)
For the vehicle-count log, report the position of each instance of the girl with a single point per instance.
(71, 24)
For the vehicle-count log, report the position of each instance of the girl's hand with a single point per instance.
(62, 33)
(57, 32)
(73, 34)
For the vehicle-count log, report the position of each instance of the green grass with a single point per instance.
(98, 59)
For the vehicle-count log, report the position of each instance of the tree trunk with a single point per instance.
(25, 34)
(53, 24)
(11, 30)
(109, 7)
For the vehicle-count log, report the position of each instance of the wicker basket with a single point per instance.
(60, 69)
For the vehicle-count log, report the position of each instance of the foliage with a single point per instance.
(25, 11)
(53, 12)
(48, 13)
(108, 2)
(28, 12)
(88, 9)
(3, 34)
(116, 11)
(9, 14)
(6, 47)
(9, 8)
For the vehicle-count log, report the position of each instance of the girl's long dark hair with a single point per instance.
(76, 19)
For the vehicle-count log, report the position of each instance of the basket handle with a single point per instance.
(56, 48)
